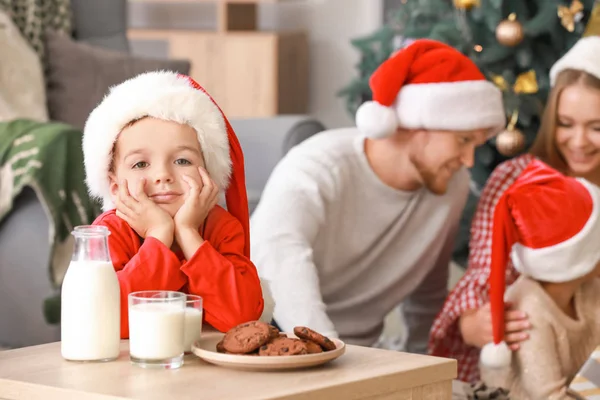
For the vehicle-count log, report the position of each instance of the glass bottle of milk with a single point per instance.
(90, 300)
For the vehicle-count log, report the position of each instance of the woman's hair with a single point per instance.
(544, 147)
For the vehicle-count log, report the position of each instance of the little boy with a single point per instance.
(549, 224)
(158, 150)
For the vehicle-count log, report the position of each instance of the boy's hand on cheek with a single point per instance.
(199, 200)
(145, 217)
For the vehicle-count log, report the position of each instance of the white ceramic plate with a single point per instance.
(206, 349)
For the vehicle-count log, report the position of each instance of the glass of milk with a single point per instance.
(156, 328)
(193, 321)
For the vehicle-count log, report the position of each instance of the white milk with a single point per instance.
(193, 327)
(90, 312)
(156, 331)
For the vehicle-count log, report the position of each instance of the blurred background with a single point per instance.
(282, 71)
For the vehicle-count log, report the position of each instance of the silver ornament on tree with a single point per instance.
(511, 141)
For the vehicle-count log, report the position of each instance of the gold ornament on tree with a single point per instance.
(510, 31)
(526, 83)
(569, 16)
(466, 4)
(511, 141)
(593, 25)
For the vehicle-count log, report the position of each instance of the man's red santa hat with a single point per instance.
(549, 225)
(169, 96)
(430, 85)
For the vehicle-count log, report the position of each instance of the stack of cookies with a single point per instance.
(257, 338)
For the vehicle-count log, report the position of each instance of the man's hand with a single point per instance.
(143, 215)
(200, 199)
(476, 326)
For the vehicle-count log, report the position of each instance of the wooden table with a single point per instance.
(39, 372)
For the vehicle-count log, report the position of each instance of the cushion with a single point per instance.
(79, 75)
(22, 91)
(101, 23)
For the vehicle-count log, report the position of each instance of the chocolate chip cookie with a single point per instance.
(283, 347)
(247, 337)
(274, 332)
(312, 347)
(306, 333)
(220, 348)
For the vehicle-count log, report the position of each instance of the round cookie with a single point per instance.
(274, 332)
(247, 337)
(220, 348)
(283, 347)
(306, 333)
(312, 347)
(253, 354)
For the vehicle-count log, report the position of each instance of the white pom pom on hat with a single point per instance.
(430, 85)
(375, 120)
(496, 355)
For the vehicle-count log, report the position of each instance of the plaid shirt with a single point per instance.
(471, 292)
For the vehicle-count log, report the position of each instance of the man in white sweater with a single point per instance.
(355, 221)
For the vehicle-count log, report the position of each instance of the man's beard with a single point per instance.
(431, 179)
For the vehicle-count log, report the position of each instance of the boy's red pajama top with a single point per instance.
(218, 271)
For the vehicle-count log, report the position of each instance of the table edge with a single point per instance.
(17, 390)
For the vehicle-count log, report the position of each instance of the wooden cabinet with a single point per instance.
(250, 73)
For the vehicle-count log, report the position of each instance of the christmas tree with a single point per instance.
(513, 42)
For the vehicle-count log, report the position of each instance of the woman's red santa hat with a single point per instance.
(549, 225)
(173, 97)
(430, 85)
(583, 56)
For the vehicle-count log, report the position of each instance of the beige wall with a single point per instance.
(331, 24)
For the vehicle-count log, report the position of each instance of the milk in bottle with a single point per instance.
(90, 300)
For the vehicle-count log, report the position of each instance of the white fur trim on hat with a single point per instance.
(583, 56)
(568, 260)
(164, 95)
(452, 106)
(375, 120)
(496, 355)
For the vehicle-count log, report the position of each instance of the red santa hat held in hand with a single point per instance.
(430, 85)
(172, 97)
(549, 224)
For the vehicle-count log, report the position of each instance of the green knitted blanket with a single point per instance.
(48, 158)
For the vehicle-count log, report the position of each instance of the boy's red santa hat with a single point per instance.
(430, 85)
(549, 225)
(173, 97)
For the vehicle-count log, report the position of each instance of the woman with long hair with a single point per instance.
(569, 141)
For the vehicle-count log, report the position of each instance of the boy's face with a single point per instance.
(161, 152)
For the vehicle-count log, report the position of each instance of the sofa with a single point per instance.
(24, 233)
